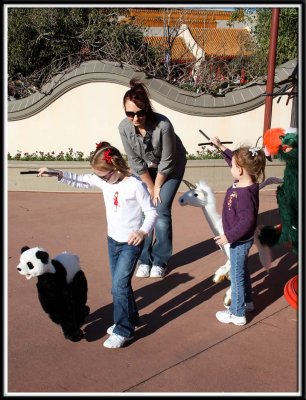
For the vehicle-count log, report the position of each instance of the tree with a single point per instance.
(287, 42)
(259, 20)
(43, 42)
(36, 36)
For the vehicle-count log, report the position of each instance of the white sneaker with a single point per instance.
(115, 341)
(157, 272)
(227, 317)
(143, 271)
(110, 329)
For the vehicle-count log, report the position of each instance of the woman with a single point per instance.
(157, 155)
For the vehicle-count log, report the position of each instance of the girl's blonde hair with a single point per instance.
(108, 158)
(253, 160)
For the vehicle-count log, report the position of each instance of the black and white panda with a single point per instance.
(61, 286)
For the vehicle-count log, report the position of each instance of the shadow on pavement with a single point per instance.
(265, 293)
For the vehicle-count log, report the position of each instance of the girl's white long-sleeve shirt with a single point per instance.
(125, 202)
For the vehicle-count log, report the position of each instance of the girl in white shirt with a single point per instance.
(126, 197)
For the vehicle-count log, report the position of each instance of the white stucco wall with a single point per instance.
(93, 111)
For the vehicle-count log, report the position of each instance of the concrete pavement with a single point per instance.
(179, 347)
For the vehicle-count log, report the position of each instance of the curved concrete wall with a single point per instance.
(85, 106)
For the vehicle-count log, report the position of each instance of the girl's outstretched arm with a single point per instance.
(68, 178)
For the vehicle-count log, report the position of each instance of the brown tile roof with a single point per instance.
(155, 16)
(180, 51)
(229, 42)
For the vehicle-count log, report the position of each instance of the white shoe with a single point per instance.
(143, 271)
(110, 329)
(157, 272)
(227, 317)
(115, 341)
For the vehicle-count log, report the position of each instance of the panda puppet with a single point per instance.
(61, 286)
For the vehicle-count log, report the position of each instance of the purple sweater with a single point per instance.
(240, 209)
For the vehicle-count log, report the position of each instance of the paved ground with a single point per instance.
(179, 347)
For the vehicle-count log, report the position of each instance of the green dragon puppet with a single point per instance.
(284, 143)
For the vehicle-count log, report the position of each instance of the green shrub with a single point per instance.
(205, 154)
(71, 155)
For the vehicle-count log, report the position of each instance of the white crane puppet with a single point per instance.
(201, 195)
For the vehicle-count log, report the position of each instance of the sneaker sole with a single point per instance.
(142, 276)
(238, 324)
(231, 322)
(120, 347)
(157, 276)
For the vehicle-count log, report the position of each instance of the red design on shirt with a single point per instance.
(116, 202)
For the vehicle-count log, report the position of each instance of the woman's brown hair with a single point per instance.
(138, 94)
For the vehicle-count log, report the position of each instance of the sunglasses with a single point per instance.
(106, 177)
(131, 114)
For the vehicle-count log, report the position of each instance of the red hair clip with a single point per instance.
(102, 144)
(107, 156)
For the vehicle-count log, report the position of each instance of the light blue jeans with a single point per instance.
(157, 247)
(123, 259)
(241, 287)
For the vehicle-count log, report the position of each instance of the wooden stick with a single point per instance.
(36, 172)
(207, 143)
(208, 138)
(204, 134)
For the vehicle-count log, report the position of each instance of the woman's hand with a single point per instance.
(156, 196)
(151, 191)
(221, 240)
(136, 238)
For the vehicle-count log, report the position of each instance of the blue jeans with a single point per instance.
(241, 287)
(157, 247)
(123, 259)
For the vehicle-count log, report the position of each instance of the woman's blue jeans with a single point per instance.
(157, 247)
(241, 287)
(123, 259)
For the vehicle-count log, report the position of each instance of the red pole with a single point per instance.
(271, 68)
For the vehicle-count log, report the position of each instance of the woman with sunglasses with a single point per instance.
(126, 200)
(157, 155)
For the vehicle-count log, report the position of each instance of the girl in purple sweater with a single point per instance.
(239, 219)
